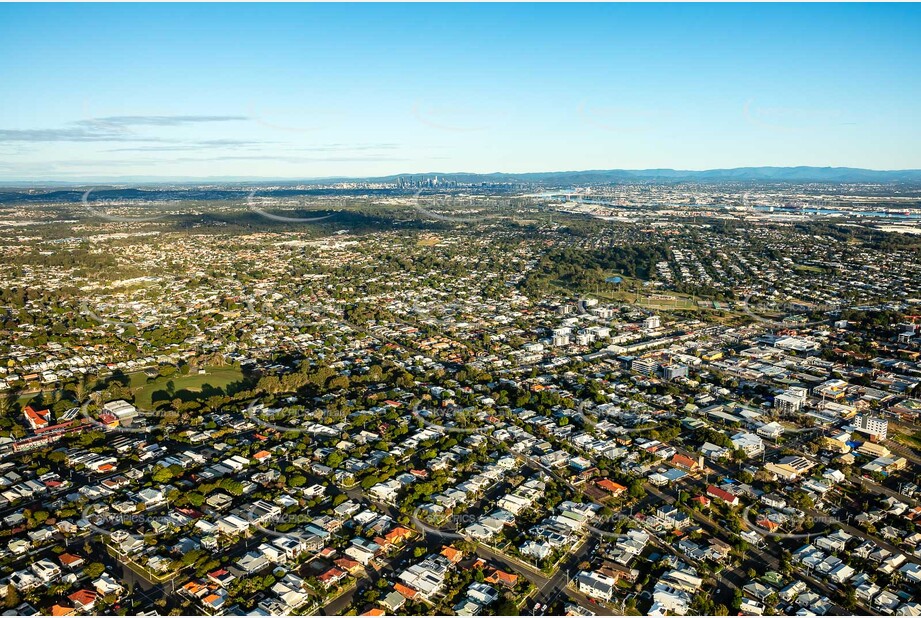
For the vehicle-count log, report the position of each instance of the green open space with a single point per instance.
(184, 386)
(912, 440)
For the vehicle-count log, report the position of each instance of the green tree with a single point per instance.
(636, 489)
(94, 570)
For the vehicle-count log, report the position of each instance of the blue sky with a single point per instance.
(297, 91)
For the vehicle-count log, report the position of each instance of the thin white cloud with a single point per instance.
(157, 121)
(108, 129)
(193, 146)
(78, 134)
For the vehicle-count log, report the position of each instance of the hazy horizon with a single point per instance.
(318, 91)
(856, 176)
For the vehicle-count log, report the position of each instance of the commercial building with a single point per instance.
(877, 428)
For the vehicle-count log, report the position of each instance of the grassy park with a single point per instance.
(183, 386)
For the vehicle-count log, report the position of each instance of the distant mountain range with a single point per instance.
(801, 174)
(739, 174)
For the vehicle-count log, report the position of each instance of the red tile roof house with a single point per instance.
(332, 577)
(352, 566)
(84, 600)
(452, 554)
(215, 601)
(385, 545)
(611, 487)
(703, 500)
(684, 462)
(398, 534)
(262, 456)
(406, 591)
(767, 524)
(195, 589)
(221, 577)
(721, 494)
(70, 561)
(501, 577)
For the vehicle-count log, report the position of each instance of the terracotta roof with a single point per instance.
(36, 417)
(194, 588)
(684, 461)
(452, 554)
(221, 576)
(406, 591)
(346, 563)
(83, 597)
(30, 410)
(211, 598)
(332, 573)
(499, 576)
(68, 559)
(398, 533)
(722, 494)
(611, 486)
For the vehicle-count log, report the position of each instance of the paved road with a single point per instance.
(879, 489)
(764, 557)
(550, 588)
(339, 605)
